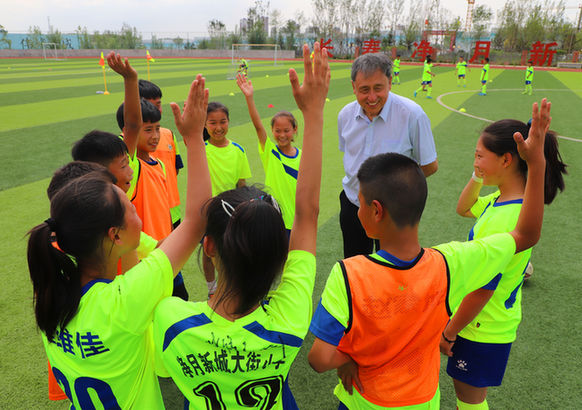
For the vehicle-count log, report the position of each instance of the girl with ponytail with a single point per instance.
(478, 337)
(235, 350)
(96, 326)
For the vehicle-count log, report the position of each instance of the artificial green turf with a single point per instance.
(38, 128)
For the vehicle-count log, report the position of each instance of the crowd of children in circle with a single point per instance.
(105, 263)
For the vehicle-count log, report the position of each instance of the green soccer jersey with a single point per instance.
(499, 319)
(226, 166)
(461, 68)
(223, 364)
(281, 178)
(529, 74)
(147, 244)
(426, 72)
(485, 72)
(396, 65)
(471, 265)
(104, 358)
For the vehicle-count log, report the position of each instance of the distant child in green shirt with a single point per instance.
(529, 75)
(427, 76)
(280, 159)
(396, 70)
(484, 77)
(461, 72)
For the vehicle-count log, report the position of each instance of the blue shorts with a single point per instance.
(527, 82)
(396, 72)
(478, 364)
(461, 75)
(484, 82)
(426, 82)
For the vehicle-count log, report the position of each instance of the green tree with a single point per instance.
(217, 32)
(83, 38)
(178, 42)
(290, 29)
(129, 38)
(256, 15)
(4, 42)
(157, 43)
(482, 15)
(35, 38)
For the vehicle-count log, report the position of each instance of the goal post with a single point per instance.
(49, 51)
(265, 52)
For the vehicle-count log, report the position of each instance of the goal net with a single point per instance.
(246, 57)
(50, 51)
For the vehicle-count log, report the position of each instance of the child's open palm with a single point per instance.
(190, 123)
(244, 84)
(121, 66)
(312, 93)
(532, 149)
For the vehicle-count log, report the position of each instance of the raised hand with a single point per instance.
(312, 93)
(244, 84)
(121, 66)
(532, 149)
(190, 123)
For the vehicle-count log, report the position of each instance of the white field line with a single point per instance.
(440, 101)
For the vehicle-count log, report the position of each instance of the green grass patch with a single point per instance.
(46, 106)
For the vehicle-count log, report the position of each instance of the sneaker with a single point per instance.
(415, 93)
(481, 94)
(465, 86)
(528, 271)
(428, 96)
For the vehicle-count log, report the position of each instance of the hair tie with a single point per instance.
(52, 224)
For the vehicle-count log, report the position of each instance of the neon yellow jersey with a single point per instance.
(499, 319)
(461, 68)
(396, 65)
(226, 165)
(471, 265)
(105, 355)
(426, 72)
(147, 244)
(529, 74)
(281, 178)
(245, 362)
(485, 72)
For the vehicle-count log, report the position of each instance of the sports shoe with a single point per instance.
(415, 93)
(481, 94)
(428, 96)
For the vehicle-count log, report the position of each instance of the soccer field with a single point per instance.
(46, 106)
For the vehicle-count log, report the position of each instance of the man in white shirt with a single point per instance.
(377, 122)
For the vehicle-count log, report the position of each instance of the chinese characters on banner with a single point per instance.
(422, 50)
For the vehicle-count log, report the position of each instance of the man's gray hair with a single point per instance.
(369, 63)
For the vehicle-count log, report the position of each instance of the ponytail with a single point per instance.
(81, 214)
(555, 168)
(498, 138)
(56, 281)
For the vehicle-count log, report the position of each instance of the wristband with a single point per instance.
(476, 178)
(448, 340)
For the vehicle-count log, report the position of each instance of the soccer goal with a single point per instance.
(254, 55)
(50, 51)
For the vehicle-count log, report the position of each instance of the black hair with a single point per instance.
(81, 214)
(428, 59)
(287, 115)
(149, 90)
(99, 146)
(214, 106)
(149, 113)
(498, 138)
(398, 183)
(397, 55)
(76, 169)
(487, 59)
(252, 244)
